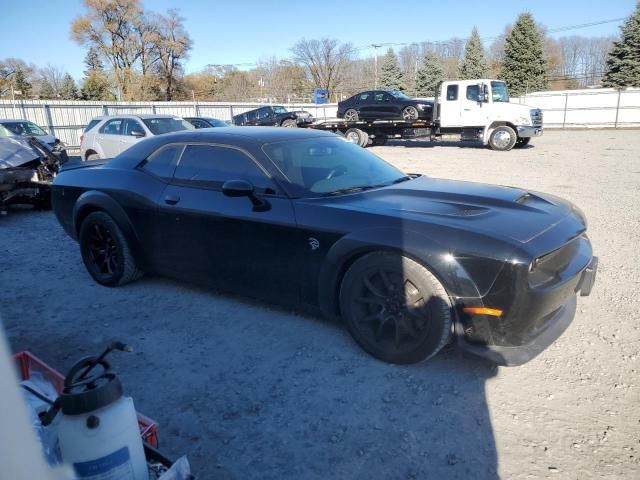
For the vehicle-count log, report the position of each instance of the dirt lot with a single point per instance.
(251, 391)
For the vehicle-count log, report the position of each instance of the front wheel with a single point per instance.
(105, 251)
(289, 123)
(410, 114)
(503, 138)
(395, 308)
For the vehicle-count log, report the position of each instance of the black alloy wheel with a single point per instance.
(105, 252)
(395, 308)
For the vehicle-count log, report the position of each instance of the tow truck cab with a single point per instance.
(479, 109)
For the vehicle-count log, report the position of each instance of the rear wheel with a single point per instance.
(357, 136)
(351, 115)
(105, 251)
(502, 138)
(522, 142)
(93, 156)
(410, 114)
(395, 308)
(289, 123)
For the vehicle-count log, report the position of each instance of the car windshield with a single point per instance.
(330, 166)
(399, 95)
(279, 110)
(26, 129)
(214, 122)
(158, 126)
(499, 92)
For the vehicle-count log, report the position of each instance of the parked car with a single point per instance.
(273, 116)
(22, 129)
(384, 105)
(301, 217)
(108, 136)
(206, 122)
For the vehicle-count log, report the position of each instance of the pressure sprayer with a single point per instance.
(98, 431)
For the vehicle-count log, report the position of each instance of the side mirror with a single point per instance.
(242, 188)
(137, 133)
(237, 188)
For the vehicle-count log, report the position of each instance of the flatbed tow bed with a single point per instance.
(375, 132)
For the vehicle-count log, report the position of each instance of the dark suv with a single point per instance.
(384, 105)
(273, 116)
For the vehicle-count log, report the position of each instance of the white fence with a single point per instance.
(571, 108)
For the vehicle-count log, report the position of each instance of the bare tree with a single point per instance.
(172, 44)
(51, 76)
(324, 61)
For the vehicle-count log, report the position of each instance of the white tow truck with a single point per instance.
(467, 110)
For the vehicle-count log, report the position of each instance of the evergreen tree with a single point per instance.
(21, 84)
(525, 67)
(93, 61)
(95, 85)
(473, 65)
(623, 64)
(391, 77)
(429, 74)
(68, 89)
(46, 89)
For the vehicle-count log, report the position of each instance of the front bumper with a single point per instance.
(529, 131)
(547, 328)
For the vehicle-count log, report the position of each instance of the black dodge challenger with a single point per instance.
(303, 218)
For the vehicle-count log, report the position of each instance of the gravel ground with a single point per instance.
(251, 391)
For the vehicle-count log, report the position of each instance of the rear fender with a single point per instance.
(433, 255)
(92, 201)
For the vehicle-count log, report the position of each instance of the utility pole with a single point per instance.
(376, 47)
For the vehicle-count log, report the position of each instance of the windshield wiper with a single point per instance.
(401, 179)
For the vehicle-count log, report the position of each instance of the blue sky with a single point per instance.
(243, 31)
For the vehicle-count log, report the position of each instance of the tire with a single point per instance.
(383, 302)
(522, 142)
(93, 156)
(351, 115)
(357, 136)
(289, 123)
(410, 114)
(99, 233)
(502, 138)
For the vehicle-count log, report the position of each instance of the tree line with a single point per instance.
(134, 54)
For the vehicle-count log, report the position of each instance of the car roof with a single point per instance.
(141, 116)
(14, 120)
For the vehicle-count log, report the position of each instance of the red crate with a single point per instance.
(27, 363)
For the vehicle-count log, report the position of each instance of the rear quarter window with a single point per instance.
(162, 162)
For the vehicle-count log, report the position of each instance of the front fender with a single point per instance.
(433, 255)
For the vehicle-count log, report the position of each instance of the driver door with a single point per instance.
(224, 241)
(473, 112)
(128, 139)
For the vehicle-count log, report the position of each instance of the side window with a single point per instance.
(92, 124)
(199, 123)
(379, 96)
(472, 92)
(131, 125)
(363, 97)
(263, 113)
(208, 165)
(162, 162)
(452, 92)
(112, 127)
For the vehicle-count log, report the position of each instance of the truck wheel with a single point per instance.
(289, 123)
(503, 138)
(355, 135)
(351, 115)
(410, 114)
(395, 308)
(522, 142)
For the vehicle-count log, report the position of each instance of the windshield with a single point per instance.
(158, 126)
(279, 109)
(328, 165)
(499, 92)
(25, 129)
(400, 95)
(214, 122)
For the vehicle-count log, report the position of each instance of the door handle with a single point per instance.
(171, 199)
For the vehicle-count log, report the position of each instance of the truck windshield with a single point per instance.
(499, 92)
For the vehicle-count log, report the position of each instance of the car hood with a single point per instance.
(510, 212)
(15, 152)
